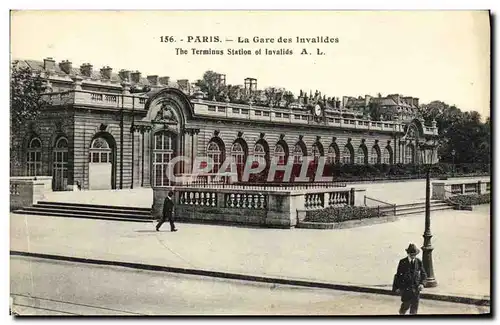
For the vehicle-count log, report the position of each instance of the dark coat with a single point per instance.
(408, 278)
(168, 207)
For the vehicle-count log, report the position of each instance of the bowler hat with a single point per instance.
(412, 249)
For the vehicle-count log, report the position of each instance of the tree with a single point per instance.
(210, 85)
(26, 101)
(26, 96)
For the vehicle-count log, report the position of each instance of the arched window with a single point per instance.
(259, 154)
(163, 153)
(331, 158)
(34, 157)
(387, 156)
(100, 152)
(316, 153)
(279, 152)
(238, 154)
(298, 154)
(60, 164)
(374, 155)
(346, 156)
(360, 156)
(409, 154)
(214, 152)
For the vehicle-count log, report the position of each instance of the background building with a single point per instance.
(106, 130)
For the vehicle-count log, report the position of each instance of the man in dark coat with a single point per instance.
(409, 280)
(168, 212)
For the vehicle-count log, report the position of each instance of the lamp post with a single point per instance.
(453, 152)
(427, 152)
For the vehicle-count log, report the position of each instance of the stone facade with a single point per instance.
(118, 129)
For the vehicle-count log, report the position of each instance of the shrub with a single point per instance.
(346, 213)
(470, 199)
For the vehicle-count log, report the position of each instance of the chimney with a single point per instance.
(136, 76)
(164, 80)
(124, 75)
(106, 72)
(367, 100)
(345, 99)
(49, 64)
(153, 80)
(86, 69)
(65, 66)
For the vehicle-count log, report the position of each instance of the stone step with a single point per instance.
(79, 214)
(92, 209)
(71, 204)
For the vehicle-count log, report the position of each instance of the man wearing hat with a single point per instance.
(409, 280)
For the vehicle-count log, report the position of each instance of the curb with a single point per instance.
(245, 277)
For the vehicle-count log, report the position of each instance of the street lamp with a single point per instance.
(427, 151)
(453, 152)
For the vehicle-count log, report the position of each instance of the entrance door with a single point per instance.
(60, 165)
(100, 165)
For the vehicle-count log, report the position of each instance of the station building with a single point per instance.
(107, 130)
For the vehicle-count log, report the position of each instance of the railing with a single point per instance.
(14, 190)
(245, 200)
(263, 186)
(393, 206)
(201, 198)
(112, 100)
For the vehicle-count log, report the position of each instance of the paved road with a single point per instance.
(63, 288)
(364, 256)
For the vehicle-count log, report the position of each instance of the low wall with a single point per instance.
(26, 191)
(443, 190)
(259, 207)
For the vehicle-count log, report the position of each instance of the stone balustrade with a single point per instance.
(265, 206)
(442, 190)
(85, 97)
(26, 191)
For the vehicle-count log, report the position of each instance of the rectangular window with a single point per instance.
(65, 156)
(211, 108)
(277, 115)
(95, 157)
(286, 115)
(244, 111)
(258, 113)
(221, 109)
(158, 158)
(104, 157)
(236, 110)
(297, 117)
(266, 114)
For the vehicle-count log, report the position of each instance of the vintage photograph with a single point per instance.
(201, 163)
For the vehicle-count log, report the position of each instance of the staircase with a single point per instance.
(412, 208)
(88, 211)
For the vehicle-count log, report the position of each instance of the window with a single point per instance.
(34, 157)
(244, 111)
(60, 164)
(214, 152)
(346, 156)
(236, 110)
(387, 156)
(286, 115)
(163, 153)
(259, 154)
(297, 117)
(211, 108)
(409, 154)
(298, 154)
(277, 115)
(258, 113)
(266, 114)
(279, 152)
(304, 117)
(316, 153)
(374, 156)
(360, 156)
(221, 109)
(331, 157)
(237, 153)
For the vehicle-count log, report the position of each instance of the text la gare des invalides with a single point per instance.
(258, 40)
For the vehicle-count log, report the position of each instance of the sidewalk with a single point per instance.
(365, 256)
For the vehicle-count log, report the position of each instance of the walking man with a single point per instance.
(409, 280)
(168, 212)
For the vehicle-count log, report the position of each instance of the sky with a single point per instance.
(432, 55)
